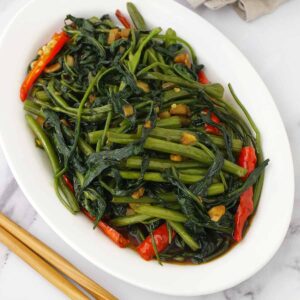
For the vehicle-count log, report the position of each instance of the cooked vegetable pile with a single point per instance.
(141, 141)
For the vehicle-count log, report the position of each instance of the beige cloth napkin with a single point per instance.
(247, 9)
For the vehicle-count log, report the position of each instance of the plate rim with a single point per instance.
(78, 249)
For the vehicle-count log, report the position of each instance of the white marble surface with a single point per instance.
(272, 44)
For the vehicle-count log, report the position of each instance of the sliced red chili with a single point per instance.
(210, 128)
(247, 159)
(161, 238)
(52, 48)
(68, 183)
(245, 209)
(110, 232)
(122, 19)
(202, 77)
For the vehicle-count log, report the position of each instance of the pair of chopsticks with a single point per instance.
(48, 263)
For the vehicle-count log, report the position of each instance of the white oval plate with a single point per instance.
(32, 27)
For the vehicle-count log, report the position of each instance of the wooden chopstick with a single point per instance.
(41, 266)
(54, 259)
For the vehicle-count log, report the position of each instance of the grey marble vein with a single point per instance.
(272, 45)
(294, 228)
(295, 265)
(9, 190)
(3, 259)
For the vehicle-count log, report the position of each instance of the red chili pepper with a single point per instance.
(247, 159)
(202, 77)
(123, 19)
(161, 238)
(110, 232)
(210, 128)
(244, 210)
(52, 48)
(68, 183)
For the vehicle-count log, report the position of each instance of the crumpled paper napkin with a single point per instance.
(247, 9)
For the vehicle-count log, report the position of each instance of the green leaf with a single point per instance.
(134, 59)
